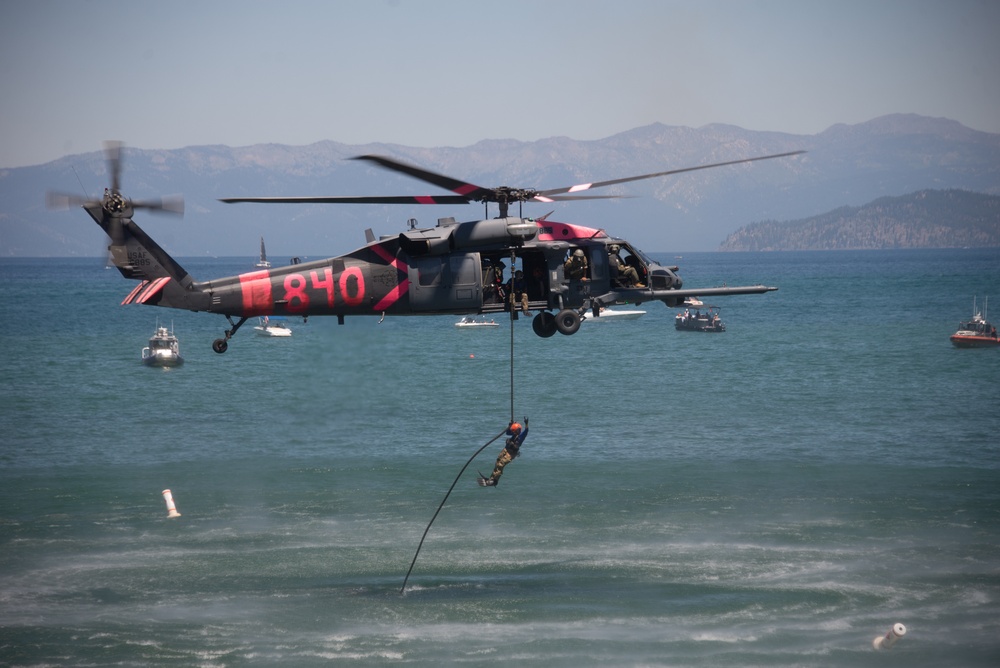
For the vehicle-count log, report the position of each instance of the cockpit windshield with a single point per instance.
(642, 256)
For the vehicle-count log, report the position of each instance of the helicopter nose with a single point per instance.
(662, 278)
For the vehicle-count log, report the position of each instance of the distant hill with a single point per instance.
(924, 219)
(846, 165)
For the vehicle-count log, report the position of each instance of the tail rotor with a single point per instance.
(113, 201)
(114, 210)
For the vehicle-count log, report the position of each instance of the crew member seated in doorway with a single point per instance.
(627, 275)
(518, 290)
(511, 449)
(575, 267)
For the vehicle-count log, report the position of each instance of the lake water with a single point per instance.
(776, 495)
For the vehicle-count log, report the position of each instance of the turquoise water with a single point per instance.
(779, 494)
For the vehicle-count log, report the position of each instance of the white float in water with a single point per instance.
(172, 509)
(889, 639)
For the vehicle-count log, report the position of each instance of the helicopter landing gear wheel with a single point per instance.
(544, 324)
(567, 321)
(221, 345)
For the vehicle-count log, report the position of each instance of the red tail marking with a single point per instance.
(146, 291)
(257, 297)
(135, 291)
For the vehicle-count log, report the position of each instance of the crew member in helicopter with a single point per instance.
(493, 286)
(575, 267)
(511, 449)
(498, 284)
(627, 275)
(517, 288)
(537, 284)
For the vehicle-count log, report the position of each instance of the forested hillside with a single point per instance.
(924, 219)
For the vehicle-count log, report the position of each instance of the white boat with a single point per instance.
(608, 314)
(470, 321)
(272, 327)
(163, 349)
(262, 263)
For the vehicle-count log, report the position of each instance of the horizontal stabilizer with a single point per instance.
(146, 291)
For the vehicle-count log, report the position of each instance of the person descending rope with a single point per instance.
(510, 450)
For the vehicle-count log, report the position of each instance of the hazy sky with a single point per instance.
(168, 74)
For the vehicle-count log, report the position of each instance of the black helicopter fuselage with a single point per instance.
(559, 270)
(452, 268)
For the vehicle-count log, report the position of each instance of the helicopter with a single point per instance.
(453, 268)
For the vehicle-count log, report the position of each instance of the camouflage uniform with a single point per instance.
(628, 273)
(509, 452)
(575, 267)
(518, 291)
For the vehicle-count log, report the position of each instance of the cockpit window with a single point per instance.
(638, 253)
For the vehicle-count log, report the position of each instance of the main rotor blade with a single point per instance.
(398, 199)
(570, 198)
(587, 186)
(470, 191)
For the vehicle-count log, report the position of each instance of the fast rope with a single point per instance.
(476, 454)
(512, 316)
(513, 257)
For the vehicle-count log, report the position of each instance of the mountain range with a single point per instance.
(845, 166)
(924, 219)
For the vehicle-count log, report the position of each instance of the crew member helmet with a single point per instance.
(514, 428)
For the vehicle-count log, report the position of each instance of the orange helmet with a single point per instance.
(514, 428)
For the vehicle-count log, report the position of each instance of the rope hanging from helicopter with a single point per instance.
(513, 257)
(485, 445)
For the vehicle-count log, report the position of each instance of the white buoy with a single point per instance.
(172, 509)
(889, 639)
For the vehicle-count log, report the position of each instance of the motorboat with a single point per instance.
(698, 320)
(471, 322)
(272, 327)
(163, 349)
(608, 314)
(976, 332)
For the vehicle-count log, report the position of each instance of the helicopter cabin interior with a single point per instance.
(481, 282)
(544, 278)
